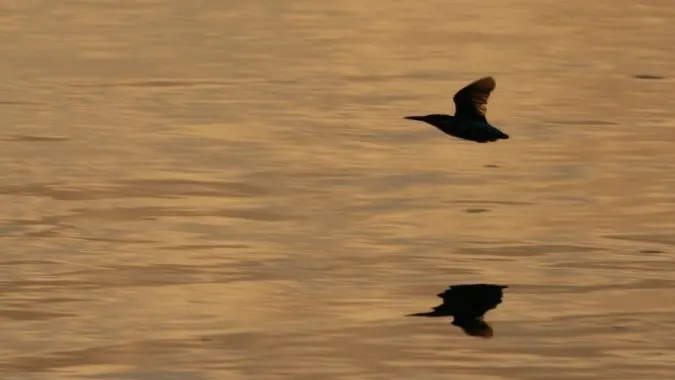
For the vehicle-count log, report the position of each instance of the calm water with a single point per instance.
(227, 190)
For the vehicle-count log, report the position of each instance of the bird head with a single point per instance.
(433, 119)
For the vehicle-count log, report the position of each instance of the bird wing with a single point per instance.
(475, 327)
(471, 101)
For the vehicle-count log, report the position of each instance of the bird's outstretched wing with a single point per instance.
(472, 300)
(471, 101)
(475, 327)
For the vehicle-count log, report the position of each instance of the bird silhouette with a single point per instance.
(467, 304)
(469, 121)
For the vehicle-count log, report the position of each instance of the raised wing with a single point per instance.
(475, 327)
(471, 101)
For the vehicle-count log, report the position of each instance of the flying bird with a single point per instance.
(469, 121)
(467, 304)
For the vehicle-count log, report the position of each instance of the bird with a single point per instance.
(469, 121)
(467, 304)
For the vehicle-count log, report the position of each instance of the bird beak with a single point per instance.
(418, 118)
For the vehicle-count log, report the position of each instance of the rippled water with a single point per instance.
(227, 190)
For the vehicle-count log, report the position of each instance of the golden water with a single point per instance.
(197, 190)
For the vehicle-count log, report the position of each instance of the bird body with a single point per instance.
(469, 121)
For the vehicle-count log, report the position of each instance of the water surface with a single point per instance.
(227, 190)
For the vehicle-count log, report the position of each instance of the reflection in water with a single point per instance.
(648, 76)
(467, 304)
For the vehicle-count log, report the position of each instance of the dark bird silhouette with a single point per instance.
(469, 121)
(467, 304)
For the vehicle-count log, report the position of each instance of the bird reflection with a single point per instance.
(467, 304)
